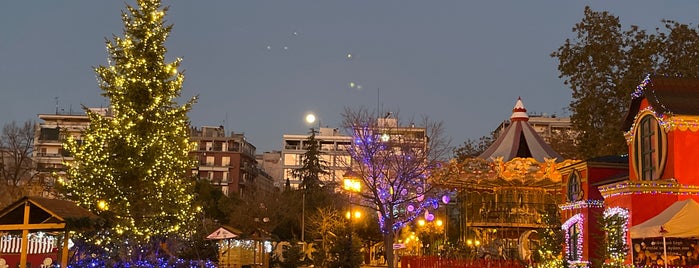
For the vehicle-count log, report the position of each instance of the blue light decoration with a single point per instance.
(394, 174)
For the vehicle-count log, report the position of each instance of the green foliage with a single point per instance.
(550, 249)
(603, 64)
(473, 148)
(614, 244)
(130, 164)
(345, 251)
(312, 165)
(293, 257)
(215, 205)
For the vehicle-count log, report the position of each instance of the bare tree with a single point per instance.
(393, 163)
(324, 223)
(16, 165)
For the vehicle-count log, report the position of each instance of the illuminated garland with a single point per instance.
(578, 220)
(583, 204)
(615, 224)
(668, 121)
(131, 168)
(641, 88)
(648, 187)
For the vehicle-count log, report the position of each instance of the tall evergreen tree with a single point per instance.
(130, 167)
(312, 165)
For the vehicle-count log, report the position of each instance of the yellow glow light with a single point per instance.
(102, 205)
(352, 185)
(310, 118)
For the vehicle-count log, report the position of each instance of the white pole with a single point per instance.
(664, 252)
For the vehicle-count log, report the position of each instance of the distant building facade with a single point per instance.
(271, 163)
(333, 148)
(228, 161)
(546, 126)
(49, 155)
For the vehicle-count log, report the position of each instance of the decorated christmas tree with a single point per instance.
(130, 164)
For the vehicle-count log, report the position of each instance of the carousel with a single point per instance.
(502, 195)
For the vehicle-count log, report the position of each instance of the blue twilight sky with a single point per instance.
(259, 66)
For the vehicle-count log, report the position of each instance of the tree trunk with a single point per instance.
(388, 245)
(388, 240)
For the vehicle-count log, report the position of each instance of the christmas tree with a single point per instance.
(130, 164)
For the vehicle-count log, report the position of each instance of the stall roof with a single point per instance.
(680, 220)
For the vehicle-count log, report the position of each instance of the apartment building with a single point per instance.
(228, 161)
(50, 133)
(333, 149)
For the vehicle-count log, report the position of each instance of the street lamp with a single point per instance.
(351, 184)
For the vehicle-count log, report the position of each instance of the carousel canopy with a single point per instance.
(520, 140)
(680, 220)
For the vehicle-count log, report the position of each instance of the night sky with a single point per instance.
(259, 66)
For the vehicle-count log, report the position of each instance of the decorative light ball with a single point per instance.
(404, 192)
(446, 199)
(420, 197)
(411, 208)
(429, 217)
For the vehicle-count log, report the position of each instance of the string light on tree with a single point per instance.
(130, 165)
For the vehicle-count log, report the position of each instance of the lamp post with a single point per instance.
(351, 184)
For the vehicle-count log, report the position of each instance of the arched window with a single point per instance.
(575, 192)
(649, 148)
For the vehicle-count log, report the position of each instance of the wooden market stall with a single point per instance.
(34, 215)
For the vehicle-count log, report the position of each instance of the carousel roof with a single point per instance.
(520, 140)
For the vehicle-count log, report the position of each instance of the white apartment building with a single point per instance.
(333, 148)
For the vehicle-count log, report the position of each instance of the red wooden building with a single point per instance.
(661, 132)
(583, 204)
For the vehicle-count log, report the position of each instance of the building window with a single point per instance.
(650, 148)
(574, 237)
(51, 134)
(292, 159)
(575, 192)
(572, 243)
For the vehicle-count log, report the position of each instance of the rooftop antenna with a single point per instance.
(225, 121)
(56, 99)
(378, 102)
